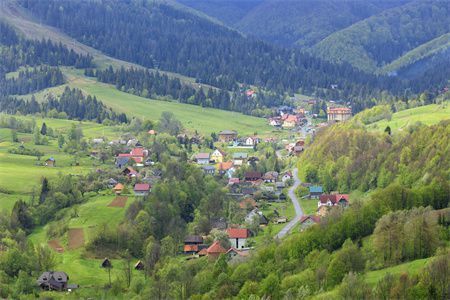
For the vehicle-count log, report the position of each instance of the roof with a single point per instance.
(55, 275)
(252, 174)
(124, 155)
(339, 110)
(193, 239)
(215, 248)
(233, 180)
(142, 187)
(238, 252)
(225, 166)
(137, 152)
(151, 131)
(315, 189)
(202, 156)
(203, 252)
(315, 219)
(238, 233)
(226, 132)
(118, 186)
(209, 168)
(333, 198)
(240, 155)
(219, 152)
(291, 118)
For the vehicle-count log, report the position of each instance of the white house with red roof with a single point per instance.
(238, 237)
(142, 189)
(333, 200)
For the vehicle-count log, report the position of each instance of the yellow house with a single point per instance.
(217, 156)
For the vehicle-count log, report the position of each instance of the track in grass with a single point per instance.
(119, 201)
(76, 238)
(56, 245)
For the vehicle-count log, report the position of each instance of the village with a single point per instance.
(266, 197)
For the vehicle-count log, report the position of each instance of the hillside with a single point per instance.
(374, 42)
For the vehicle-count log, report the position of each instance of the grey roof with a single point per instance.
(121, 161)
(190, 239)
(51, 276)
(209, 168)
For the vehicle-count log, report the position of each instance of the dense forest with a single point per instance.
(16, 51)
(72, 104)
(194, 46)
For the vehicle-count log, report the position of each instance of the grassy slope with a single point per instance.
(428, 114)
(83, 270)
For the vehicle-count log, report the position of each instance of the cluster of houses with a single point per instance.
(295, 148)
(288, 117)
(325, 202)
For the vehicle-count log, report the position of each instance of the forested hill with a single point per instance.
(383, 38)
(158, 35)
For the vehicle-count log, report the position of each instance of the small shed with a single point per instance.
(139, 266)
(106, 263)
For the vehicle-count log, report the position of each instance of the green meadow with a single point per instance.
(428, 114)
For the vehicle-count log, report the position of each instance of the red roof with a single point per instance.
(238, 252)
(224, 166)
(151, 131)
(203, 252)
(118, 186)
(238, 233)
(124, 155)
(144, 187)
(216, 248)
(202, 156)
(334, 199)
(138, 160)
(292, 118)
(315, 219)
(339, 110)
(190, 248)
(137, 152)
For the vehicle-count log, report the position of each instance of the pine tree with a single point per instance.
(44, 129)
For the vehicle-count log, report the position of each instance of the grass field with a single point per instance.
(428, 114)
(411, 268)
(82, 269)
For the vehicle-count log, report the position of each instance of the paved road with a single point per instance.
(298, 209)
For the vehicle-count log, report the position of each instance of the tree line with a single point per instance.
(155, 85)
(72, 104)
(31, 80)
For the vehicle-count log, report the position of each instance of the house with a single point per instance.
(209, 170)
(227, 136)
(252, 176)
(142, 189)
(111, 183)
(251, 141)
(51, 162)
(130, 172)
(192, 243)
(333, 200)
(307, 221)
(286, 176)
(238, 237)
(315, 191)
(217, 156)
(276, 122)
(225, 167)
(290, 122)
(202, 158)
(237, 255)
(256, 213)
(139, 266)
(339, 114)
(270, 177)
(53, 281)
(118, 189)
(121, 161)
(215, 250)
(239, 158)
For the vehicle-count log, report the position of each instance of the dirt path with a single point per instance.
(76, 238)
(56, 245)
(119, 201)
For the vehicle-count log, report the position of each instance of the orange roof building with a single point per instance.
(118, 188)
(215, 250)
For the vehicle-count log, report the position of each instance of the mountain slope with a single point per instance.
(381, 39)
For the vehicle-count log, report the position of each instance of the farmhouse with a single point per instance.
(338, 114)
(333, 200)
(251, 141)
(202, 158)
(252, 176)
(217, 156)
(142, 189)
(238, 236)
(227, 136)
(209, 170)
(54, 281)
(215, 250)
(118, 189)
(51, 162)
(315, 191)
(307, 221)
(286, 176)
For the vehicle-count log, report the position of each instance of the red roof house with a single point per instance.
(141, 189)
(215, 250)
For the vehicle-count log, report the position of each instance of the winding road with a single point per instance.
(298, 209)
